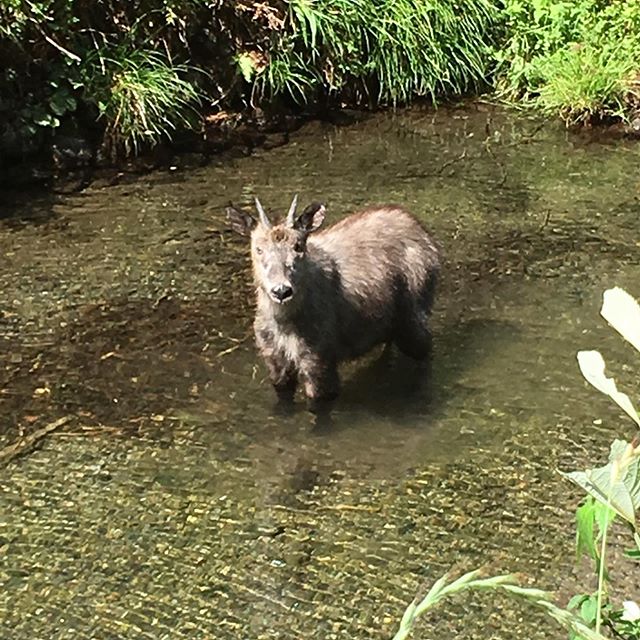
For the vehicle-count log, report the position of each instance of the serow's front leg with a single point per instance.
(283, 378)
(321, 380)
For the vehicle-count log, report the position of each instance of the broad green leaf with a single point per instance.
(577, 601)
(622, 312)
(61, 102)
(621, 493)
(589, 609)
(592, 367)
(246, 65)
(603, 516)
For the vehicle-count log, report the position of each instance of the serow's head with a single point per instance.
(278, 251)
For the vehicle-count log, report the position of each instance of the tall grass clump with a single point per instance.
(64, 64)
(141, 95)
(583, 83)
(579, 59)
(379, 51)
(58, 56)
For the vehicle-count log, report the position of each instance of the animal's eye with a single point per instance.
(258, 250)
(299, 247)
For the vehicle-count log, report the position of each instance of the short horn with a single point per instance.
(292, 210)
(263, 216)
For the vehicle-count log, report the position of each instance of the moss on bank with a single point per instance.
(122, 76)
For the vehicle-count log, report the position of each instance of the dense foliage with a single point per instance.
(133, 65)
(119, 64)
(128, 74)
(576, 58)
(385, 50)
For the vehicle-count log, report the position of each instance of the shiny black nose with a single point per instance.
(282, 292)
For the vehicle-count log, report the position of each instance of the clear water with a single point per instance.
(179, 503)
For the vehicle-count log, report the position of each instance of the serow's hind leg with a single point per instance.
(414, 339)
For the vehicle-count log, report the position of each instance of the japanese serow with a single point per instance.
(328, 296)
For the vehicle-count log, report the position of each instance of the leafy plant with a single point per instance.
(613, 490)
(583, 82)
(576, 58)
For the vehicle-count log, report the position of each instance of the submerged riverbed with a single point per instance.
(177, 502)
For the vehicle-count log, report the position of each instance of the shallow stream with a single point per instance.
(177, 502)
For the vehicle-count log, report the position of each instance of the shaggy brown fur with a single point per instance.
(331, 296)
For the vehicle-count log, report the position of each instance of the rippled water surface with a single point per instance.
(178, 502)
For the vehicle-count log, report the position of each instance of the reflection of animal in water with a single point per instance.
(331, 296)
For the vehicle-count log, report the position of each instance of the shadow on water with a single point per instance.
(388, 385)
(18, 210)
(117, 363)
(410, 394)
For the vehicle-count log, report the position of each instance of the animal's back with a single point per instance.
(379, 251)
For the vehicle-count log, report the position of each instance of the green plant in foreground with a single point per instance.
(506, 583)
(613, 491)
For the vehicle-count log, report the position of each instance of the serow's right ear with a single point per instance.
(241, 222)
(311, 218)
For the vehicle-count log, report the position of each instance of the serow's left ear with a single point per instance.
(241, 222)
(311, 218)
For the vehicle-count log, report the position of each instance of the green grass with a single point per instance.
(388, 50)
(576, 58)
(142, 97)
(360, 52)
(586, 82)
(579, 59)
